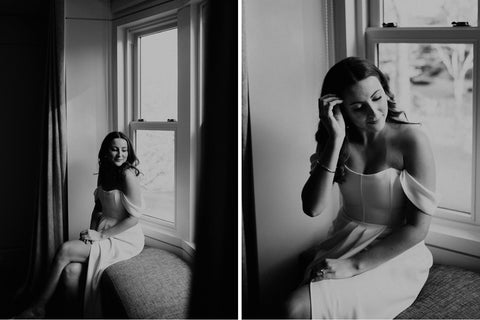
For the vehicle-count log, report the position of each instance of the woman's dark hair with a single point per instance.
(107, 168)
(342, 76)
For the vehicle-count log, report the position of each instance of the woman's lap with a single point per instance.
(382, 292)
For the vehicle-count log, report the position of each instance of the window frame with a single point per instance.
(187, 17)
(448, 231)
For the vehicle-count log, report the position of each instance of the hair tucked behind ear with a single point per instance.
(339, 78)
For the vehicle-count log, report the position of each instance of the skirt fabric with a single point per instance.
(104, 253)
(382, 292)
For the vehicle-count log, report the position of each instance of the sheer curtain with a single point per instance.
(50, 229)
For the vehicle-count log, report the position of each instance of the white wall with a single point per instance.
(87, 36)
(287, 59)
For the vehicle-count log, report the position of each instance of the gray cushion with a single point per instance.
(449, 293)
(154, 284)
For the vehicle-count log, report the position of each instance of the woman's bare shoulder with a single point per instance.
(412, 142)
(130, 177)
(131, 184)
(406, 136)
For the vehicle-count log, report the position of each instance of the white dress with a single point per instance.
(373, 206)
(125, 245)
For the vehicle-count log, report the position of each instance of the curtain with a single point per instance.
(214, 285)
(50, 228)
(250, 282)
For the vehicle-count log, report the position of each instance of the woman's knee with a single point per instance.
(72, 272)
(66, 252)
(298, 305)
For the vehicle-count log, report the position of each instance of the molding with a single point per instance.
(455, 236)
(449, 257)
(169, 241)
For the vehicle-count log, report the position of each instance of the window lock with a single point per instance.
(460, 24)
(170, 120)
(389, 25)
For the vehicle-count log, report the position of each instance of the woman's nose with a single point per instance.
(372, 112)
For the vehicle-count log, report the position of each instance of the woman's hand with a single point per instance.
(90, 236)
(334, 269)
(331, 116)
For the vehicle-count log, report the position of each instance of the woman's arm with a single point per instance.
(419, 162)
(317, 190)
(131, 189)
(97, 209)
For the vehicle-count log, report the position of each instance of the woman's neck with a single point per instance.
(367, 138)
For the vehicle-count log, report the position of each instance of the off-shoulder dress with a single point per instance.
(373, 206)
(125, 245)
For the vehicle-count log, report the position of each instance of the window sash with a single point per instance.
(134, 36)
(376, 14)
(376, 35)
(159, 126)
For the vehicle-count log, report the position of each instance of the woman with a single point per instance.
(374, 262)
(114, 233)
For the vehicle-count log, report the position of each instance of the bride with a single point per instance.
(374, 262)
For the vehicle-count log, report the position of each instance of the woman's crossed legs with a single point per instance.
(68, 260)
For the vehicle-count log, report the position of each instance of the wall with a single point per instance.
(286, 57)
(87, 39)
(23, 27)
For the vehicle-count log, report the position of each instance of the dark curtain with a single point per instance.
(250, 282)
(50, 222)
(214, 286)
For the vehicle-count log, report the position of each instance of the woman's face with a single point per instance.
(365, 105)
(118, 151)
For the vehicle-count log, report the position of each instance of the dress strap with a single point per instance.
(424, 199)
(132, 208)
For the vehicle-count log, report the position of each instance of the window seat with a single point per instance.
(153, 284)
(449, 293)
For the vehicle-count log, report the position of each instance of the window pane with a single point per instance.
(415, 13)
(432, 83)
(156, 152)
(158, 76)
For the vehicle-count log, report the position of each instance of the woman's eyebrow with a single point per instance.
(355, 102)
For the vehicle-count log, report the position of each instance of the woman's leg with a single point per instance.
(298, 305)
(70, 251)
(73, 288)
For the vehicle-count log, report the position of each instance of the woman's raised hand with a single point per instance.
(90, 236)
(331, 116)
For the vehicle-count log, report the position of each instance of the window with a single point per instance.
(431, 72)
(155, 115)
(433, 85)
(157, 89)
(433, 69)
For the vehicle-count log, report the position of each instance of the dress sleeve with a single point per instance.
(424, 199)
(132, 208)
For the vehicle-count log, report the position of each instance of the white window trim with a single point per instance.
(461, 235)
(187, 15)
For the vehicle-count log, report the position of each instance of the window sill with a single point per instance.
(168, 238)
(463, 238)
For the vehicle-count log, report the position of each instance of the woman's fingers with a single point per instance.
(326, 105)
(325, 100)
